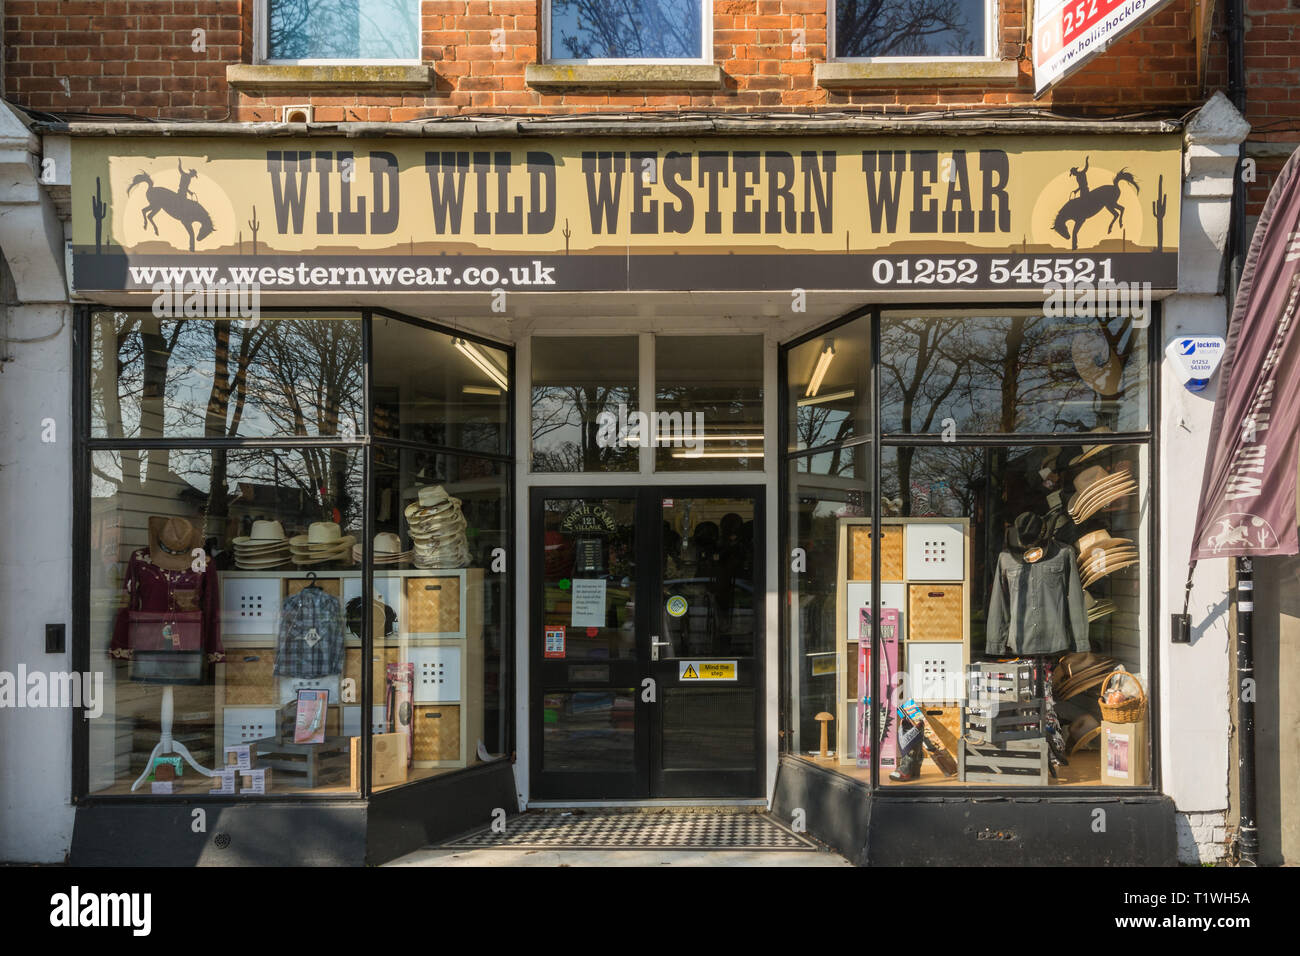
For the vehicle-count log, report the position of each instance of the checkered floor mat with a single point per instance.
(637, 831)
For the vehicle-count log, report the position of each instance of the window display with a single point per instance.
(1011, 541)
(226, 586)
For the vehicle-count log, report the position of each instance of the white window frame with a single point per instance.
(706, 43)
(262, 43)
(990, 42)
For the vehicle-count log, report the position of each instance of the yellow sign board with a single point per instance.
(828, 212)
(706, 670)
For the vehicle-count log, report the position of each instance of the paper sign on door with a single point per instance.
(588, 596)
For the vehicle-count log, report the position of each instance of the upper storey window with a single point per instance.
(644, 31)
(914, 29)
(338, 31)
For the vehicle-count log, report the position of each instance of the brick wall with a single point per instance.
(135, 57)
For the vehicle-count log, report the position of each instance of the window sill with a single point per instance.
(624, 76)
(372, 78)
(924, 73)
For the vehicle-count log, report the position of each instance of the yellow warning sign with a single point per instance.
(706, 670)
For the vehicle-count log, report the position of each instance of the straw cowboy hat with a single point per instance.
(264, 547)
(324, 541)
(387, 549)
(1098, 540)
(1097, 608)
(172, 542)
(1096, 488)
(1096, 363)
(1090, 451)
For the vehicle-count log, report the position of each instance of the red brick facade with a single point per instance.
(135, 57)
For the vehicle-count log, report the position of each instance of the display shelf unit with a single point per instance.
(926, 567)
(439, 628)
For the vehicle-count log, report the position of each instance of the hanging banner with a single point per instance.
(850, 212)
(1069, 33)
(1247, 502)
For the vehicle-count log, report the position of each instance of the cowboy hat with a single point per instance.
(1096, 363)
(1090, 451)
(1025, 532)
(265, 534)
(1095, 488)
(172, 542)
(1095, 540)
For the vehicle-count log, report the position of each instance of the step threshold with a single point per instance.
(619, 804)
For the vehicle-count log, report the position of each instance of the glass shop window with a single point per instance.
(708, 403)
(439, 389)
(221, 579)
(1011, 639)
(583, 388)
(441, 613)
(155, 377)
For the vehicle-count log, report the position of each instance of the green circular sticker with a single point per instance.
(677, 605)
(564, 584)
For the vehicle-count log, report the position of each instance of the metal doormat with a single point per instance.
(637, 831)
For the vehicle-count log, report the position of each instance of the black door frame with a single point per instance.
(650, 780)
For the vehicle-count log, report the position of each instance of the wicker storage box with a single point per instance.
(249, 678)
(995, 723)
(891, 552)
(1017, 763)
(328, 585)
(433, 605)
(436, 734)
(935, 612)
(352, 669)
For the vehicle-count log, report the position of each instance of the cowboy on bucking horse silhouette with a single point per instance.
(176, 204)
(1086, 203)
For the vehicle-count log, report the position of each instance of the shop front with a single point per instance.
(621, 470)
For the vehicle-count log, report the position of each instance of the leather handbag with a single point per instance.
(166, 647)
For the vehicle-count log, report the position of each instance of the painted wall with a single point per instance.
(35, 580)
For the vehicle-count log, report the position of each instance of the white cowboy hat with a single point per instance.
(265, 534)
(1096, 363)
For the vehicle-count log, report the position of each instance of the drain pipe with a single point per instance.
(1249, 831)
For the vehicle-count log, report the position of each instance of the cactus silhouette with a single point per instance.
(566, 233)
(241, 242)
(100, 209)
(253, 224)
(1158, 210)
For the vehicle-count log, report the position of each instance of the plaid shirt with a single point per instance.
(311, 635)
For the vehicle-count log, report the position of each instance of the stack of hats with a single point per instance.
(265, 547)
(388, 550)
(1097, 488)
(1100, 554)
(1077, 672)
(323, 543)
(1097, 607)
(437, 528)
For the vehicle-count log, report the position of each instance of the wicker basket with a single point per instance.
(1128, 712)
(936, 612)
(891, 552)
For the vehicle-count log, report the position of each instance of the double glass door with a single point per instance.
(646, 634)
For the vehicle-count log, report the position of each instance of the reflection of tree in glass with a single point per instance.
(596, 29)
(576, 407)
(335, 29)
(905, 28)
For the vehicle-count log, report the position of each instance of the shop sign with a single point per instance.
(1069, 33)
(913, 214)
(706, 670)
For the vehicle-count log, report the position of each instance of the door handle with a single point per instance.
(655, 644)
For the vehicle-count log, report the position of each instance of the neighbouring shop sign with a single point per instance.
(811, 213)
(1069, 33)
